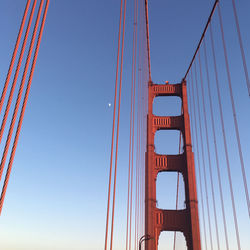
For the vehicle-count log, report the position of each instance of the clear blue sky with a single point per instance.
(56, 199)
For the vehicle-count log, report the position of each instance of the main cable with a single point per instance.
(202, 37)
(147, 35)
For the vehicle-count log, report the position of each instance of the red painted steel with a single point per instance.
(158, 220)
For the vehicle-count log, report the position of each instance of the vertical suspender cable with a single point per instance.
(118, 123)
(14, 55)
(132, 169)
(138, 138)
(140, 156)
(215, 146)
(130, 135)
(208, 152)
(24, 102)
(177, 190)
(16, 74)
(140, 56)
(133, 126)
(224, 141)
(203, 157)
(7, 144)
(136, 174)
(141, 134)
(138, 163)
(234, 113)
(138, 148)
(241, 46)
(113, 128)
(198, 159)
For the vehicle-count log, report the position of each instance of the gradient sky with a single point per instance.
(56, 198)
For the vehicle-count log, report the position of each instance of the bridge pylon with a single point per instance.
(158, 220)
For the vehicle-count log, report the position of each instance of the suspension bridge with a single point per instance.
(204, 164)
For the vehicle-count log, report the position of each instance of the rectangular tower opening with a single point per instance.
(166, 191)
(167, 106)
(167, 142)
(166, 241)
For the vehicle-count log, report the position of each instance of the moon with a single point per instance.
(109, 104)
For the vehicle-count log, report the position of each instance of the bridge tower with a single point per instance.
(158, 220)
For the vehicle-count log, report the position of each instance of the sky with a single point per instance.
(57, 194)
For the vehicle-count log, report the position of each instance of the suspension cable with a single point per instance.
(13, 121)
(193, 141)
(138, 130)
(208, 151)
(113, 127)
(177, 188)
(234, 113)
(25, 100)
(131, 166)
(198, 159)
(203, 157)
(14, 55)
(141, 24)
(130, 134)
(133, 135)
(118, 123)
(17, 73)
(225, 141)
(202, 37)
(148, 43)
(137, 166)
(215, 146)
(241, 47)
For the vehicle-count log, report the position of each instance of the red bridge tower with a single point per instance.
(158, 220)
